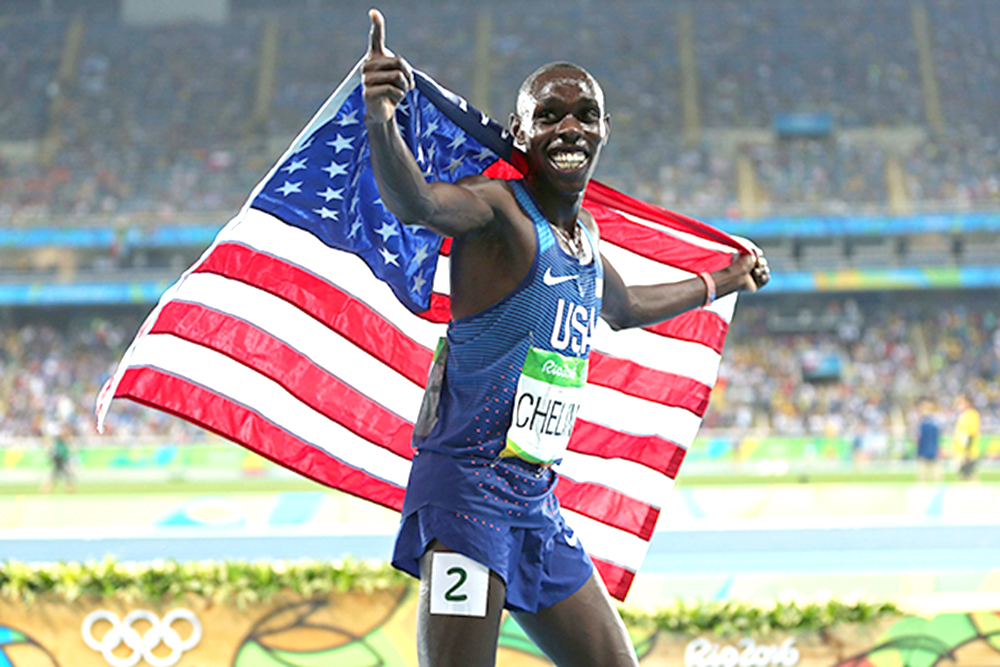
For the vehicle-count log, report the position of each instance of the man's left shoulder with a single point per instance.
(590, 223)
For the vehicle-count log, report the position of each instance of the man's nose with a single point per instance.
(569, 127)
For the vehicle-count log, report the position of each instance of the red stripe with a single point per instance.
(636, 380)
(348, 316)
(648, 450)
(231, 420)
(297, 373)
(696, 326)
(608, 506)
(445, 246)
(656, 245)
(439, 311)
(616, 578)
(601, 195)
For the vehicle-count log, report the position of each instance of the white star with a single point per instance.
(463, 104)
(430, 153)
(418, 283)
(453, 166)
(387, 231)
(388, 257)
(330, 193)
(341, 142)
(379, 202)
(354, 203)
(349, 119)
(354, 228)
(485, 154)
(483, 118)
(420, 154)
(303, 147)
(295, 165)
(420, 255)
(335, 169)
(457, 141)
(430, 129)
(325, 213)
(289, 188)
(404, 108)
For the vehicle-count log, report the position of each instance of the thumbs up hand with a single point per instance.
(386, 78)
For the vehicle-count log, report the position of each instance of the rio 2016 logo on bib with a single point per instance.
(545, 406)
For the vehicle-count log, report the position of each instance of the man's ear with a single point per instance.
(607, 128)
(517, 130)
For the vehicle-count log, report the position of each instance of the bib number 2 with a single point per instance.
(459, 585)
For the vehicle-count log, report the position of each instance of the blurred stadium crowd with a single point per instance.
(163, 120)
(167, 124)
(842, 370)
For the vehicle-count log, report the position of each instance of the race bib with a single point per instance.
(545, 406)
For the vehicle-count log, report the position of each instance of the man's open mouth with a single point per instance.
(568, 160)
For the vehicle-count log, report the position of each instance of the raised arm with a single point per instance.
(638, 306)
(448, 209)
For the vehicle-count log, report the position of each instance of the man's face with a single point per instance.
(562, 126)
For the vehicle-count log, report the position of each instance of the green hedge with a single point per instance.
(244, 583)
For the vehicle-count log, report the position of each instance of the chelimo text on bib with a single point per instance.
(545, 406)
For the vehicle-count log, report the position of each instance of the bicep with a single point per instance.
(615, 303)
(457, 208)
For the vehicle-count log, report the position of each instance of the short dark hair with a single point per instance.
(525, 89)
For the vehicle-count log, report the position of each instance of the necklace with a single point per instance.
(573, 243)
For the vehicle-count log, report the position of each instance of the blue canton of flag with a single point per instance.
(326, 186)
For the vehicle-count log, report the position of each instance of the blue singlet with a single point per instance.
(500, 510)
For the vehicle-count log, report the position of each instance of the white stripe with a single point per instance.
(627, 477)
(694, 360)
(621, 412)
(638, 270)
(324, 347)
(345, 270)
(687, 237)
(442, 275)
(222, 375)
(607, 542)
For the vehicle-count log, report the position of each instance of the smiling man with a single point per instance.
(481, 526)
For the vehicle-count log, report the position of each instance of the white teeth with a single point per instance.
(569, 159)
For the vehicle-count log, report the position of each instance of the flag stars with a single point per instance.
(295, 165)
(484, 154)
(457, 141)
(355, 228)
(348, 119)
(387, 231)
(430, 129)
(335, 169)
(290, 188)
(330, 193)
(418, 283)
(303, 147)
(341, 143)
(388, 257)
(419, 255)
(453, 166)
(326, 214)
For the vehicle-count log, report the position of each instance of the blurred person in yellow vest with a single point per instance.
(966, 439)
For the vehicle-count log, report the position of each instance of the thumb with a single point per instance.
(376, 44)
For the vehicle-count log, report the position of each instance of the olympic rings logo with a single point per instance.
(142, 645)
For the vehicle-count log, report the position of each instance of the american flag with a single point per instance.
(305, 331)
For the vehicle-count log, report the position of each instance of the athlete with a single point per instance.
(481, 527)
